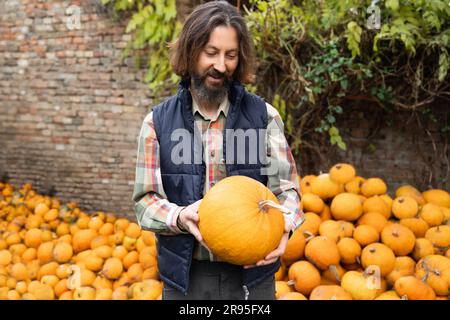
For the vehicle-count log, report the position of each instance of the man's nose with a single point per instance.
(220, 64)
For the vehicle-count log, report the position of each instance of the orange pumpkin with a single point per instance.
(323, 253)
(435, 271)
(373, 186)
(342, 173)
(312, 202)
(399, 238)
(311, 224)
(432, 214)
(374, 219)
(281, 288)
(417, 225)
(404, 266)
(354, 185)
(377, 204)
(346, 206)
(422, 248)
(304, 276)
(377, 254)
(295, 247)
(439, 236)
(82, 239)
(293, 296)
(330, 292)
(413, 289)
(324, 187)
(438, 197)
(405, 207)
(408, 190)
(349, 250)
(237, 222)
(365, 235)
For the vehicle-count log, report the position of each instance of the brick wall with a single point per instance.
(71, 110)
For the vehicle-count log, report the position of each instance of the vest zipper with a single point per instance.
(246, 293)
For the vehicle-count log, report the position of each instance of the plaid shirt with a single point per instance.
(154, 212)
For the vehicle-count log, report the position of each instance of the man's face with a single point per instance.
(216, 65)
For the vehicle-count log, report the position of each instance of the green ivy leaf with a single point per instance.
(353, 34)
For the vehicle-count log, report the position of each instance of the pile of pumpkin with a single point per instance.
(54, 251)
(357, 242)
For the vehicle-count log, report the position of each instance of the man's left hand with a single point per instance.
(274, 255)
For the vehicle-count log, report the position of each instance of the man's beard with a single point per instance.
(211, 94)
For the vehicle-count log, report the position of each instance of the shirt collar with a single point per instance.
(223, 107)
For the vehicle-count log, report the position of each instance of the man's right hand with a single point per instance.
(188, 220)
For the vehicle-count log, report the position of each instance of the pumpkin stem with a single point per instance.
(290, 282)
(272, 204)
(335, 273)
(309, 234)
(358, 260)
(404, 297)
(427, 272)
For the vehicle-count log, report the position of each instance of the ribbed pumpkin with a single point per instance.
(413, 289)
(435, 271)
(235, 223)
(439, 236)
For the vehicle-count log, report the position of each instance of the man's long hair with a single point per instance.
(184, 52)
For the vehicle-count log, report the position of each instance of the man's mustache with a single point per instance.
(215, 74)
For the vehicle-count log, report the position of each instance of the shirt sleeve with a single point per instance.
(281, 170)
(153, 211)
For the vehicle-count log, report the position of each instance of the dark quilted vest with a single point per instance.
(184, 182)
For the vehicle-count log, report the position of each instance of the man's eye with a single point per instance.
(210, 53)
(231, 56)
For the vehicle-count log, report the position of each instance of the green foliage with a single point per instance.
(317, 57)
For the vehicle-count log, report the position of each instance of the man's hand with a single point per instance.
(278, 252)
(188, 220)
(274, 255)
